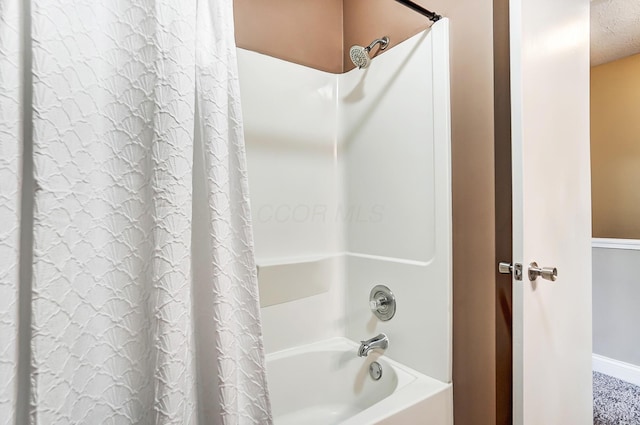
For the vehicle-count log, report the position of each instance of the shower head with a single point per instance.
(360, 55)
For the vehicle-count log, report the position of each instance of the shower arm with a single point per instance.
(384, 42)
(434, 17)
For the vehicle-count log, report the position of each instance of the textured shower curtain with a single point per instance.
(143, 304)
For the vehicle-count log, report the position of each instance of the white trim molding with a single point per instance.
(625, 371)
(630, 244)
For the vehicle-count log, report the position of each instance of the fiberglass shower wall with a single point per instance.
(290, 122)
(350, 187)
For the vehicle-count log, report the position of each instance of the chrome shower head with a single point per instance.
(360, 55)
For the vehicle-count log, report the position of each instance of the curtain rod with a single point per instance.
(421, 10)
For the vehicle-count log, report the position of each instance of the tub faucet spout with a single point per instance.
(379, 341)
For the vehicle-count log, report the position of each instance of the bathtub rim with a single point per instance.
(413, 387)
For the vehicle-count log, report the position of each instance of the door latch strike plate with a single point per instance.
(517, 271)
(507, 268)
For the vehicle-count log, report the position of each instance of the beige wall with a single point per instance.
(615, 148)
(478, 382)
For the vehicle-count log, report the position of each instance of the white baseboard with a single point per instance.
(621, 370)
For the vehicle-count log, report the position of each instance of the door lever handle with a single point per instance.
(548, 273)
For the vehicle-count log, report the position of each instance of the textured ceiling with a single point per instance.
(615, 30)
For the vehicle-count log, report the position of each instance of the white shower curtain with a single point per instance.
(144, 306)
(10, 183)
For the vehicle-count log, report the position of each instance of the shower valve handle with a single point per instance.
(382, 302)
(378, 302)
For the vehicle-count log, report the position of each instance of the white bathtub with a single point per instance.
(326, 383)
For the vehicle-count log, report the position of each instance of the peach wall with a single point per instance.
(307, 32)
(615, 148)
(481, 390)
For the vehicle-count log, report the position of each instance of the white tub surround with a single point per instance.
(350, 188)
(290, 115)
(396, 141)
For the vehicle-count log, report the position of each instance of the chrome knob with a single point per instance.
(548, 273)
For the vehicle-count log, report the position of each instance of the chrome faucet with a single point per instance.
(379, 341)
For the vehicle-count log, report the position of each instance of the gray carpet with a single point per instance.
(615, 402)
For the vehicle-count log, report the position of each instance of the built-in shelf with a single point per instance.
(289, 279)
